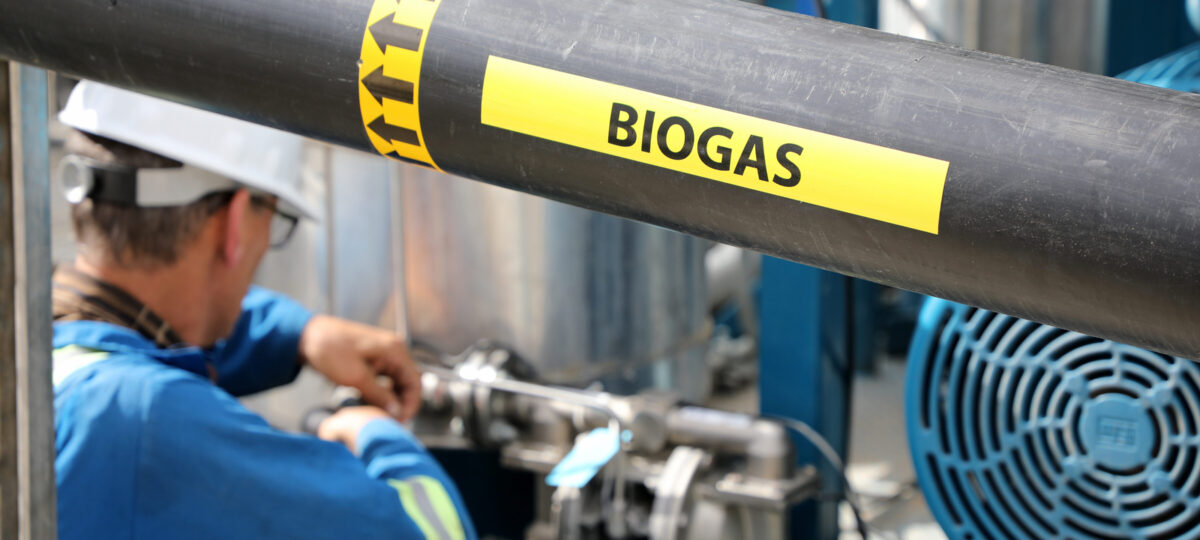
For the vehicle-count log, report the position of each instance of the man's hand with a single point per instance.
(343, 426)
(355, 355)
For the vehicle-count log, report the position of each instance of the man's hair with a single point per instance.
(132, 236)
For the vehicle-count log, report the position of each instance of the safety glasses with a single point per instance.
(283, 224)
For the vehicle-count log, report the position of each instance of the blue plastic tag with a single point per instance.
(589, 455)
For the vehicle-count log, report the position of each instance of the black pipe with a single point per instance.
(1069, 198)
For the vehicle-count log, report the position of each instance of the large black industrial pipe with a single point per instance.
(1062, 197)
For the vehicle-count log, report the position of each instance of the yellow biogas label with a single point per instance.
(804, 165)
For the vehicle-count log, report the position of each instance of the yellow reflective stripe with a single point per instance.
(446, 512)
(72, 358)
(408, 500)
(73, 350)
(430, 507)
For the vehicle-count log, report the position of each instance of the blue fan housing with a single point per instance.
(1022, 430)
(1179, 70)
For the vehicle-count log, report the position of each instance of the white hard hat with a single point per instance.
(258, 157)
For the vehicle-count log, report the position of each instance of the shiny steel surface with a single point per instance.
(1067, 33)
(580, 295)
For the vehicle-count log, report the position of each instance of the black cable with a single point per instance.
(826, 450)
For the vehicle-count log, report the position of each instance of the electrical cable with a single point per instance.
(826, 450)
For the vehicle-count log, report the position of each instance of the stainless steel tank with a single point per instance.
(584, 297)
(1068, 33)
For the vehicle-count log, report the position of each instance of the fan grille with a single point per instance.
(1021, 430)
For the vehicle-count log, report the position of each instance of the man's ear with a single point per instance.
(234, 246)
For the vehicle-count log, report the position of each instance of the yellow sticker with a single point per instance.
(804, 165)
(389, 77)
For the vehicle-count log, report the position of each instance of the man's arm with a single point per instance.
(274, 336)
(215, 470)
(263, 350)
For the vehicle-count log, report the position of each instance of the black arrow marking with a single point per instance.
(381, 86)
(388, 32)
(393, 133)
(399, 157)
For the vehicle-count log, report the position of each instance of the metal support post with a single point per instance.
(32, 324)
(8, 313)
(27, 486)
(865, 311)
(858, 12)
(805, 371)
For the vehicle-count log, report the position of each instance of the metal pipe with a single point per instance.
(548, 393)
(31, 241)
(765, 442)
(1049, 194)
(9, 458)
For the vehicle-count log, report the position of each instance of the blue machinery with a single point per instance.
(1022, 430)
(1017, 429)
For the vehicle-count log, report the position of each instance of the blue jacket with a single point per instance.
(149, 448)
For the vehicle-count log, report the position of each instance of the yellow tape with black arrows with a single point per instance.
(389, 77)
(714, 144)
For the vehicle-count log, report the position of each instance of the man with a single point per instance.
(157, 330)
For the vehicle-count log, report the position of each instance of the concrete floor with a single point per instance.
(879, 467)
